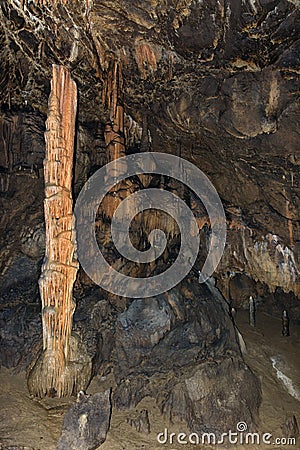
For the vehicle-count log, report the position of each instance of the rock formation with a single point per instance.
(216, 83)
(57, 370)
(86, 424)
(223, 92)
(114, 133)
(180, 348)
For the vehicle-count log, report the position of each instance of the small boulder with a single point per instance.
(86, 424)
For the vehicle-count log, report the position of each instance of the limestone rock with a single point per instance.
(86, 424)
(181, 349)
(208, 397)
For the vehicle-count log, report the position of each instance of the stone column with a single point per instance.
(56, 371)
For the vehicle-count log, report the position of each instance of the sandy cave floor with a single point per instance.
(36, 424)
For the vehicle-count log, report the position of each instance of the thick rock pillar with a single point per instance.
(58, 370)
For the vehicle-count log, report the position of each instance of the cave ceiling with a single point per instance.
(216, 82)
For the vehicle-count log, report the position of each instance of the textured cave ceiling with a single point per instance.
(216, 82)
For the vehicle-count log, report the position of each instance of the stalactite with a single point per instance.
(114, 132)
(115, 148)
(53, 372)
(290, 223)
(10, 141)
(49, 2)
(145, 147)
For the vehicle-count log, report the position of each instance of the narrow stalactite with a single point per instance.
(114, 136)
(53, 373)
(114, 132)
(290, 223)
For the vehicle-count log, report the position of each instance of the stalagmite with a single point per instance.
(290, 223)
(252, 319)
(285, 324)
(57, 371)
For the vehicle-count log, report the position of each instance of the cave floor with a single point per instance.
(35, 424)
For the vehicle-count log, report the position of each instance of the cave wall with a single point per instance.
(214, 82)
